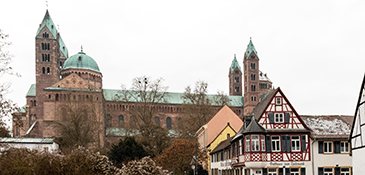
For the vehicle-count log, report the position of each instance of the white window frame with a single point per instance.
(275, 143)
(346, 172)
(240, 147)
(247, 143)
(295, 143)
(327, 147)
(272, 171)
(294, 171)
(345, 147)
(278, 118)
(255, 143)
(327, 172)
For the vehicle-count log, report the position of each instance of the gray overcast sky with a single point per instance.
(313, 50)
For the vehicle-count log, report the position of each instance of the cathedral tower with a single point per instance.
(251, 79)
(50, 52)
(235, 78)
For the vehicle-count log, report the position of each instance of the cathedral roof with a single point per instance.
(81, 61)
(31, 91)
(250, 49)
(235, 64)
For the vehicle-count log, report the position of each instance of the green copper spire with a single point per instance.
(250, 49)
(235, 64)
(47, 21)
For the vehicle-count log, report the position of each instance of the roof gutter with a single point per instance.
(314, 140)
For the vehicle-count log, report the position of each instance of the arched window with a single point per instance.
(168, 123)
(157, 121)
(31, 103)
(42, 46)
(43, 70)
(108, 121)
(47, 70)
(120, 120)
(48, 58)
(48, 46)
(42, 57)
(61, 64)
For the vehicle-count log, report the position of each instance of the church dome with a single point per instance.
(81, 61)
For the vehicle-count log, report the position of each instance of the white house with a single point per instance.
(40, 144)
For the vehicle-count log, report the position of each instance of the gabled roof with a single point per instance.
(328, 126)
(31, 92)
(235, 64)
(224, 144)
(250, 49)
(228, 125)
(47, 21)
(254, 127)
(261, 106)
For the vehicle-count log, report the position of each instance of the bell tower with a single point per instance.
(235, 78)
(50, 53)
(251, 79)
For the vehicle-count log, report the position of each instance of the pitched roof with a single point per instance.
(254, 127)
(47, 21)
(172, 98)
(263, 77)
(261, 106)
(235, 64)
(328, 126)
(250, 49)
(27, 140)
(31, 92)
(222, 145)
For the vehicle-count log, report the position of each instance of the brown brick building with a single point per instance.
(61, 79)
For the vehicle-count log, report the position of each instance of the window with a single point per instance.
(253, 88)
(43, 70)
(236, 89)
(275, 141)
(236, 72)
(295, 143)
(344, 147)
(247, 143)
(253, 77)
(48, 70)
(228, 136)
(328, 147)
(328, 171)
(294, 171)
(255, 143)
(262, 143)
(120, 120)
(168, 123)
(278, 100)
(345, 171)
(237, 79)
(253, 66)
(279, 118)
(272, 171)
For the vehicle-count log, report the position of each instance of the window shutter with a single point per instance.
(337, 146)
(268, 144)
(303, 143)
(287, 117)
(337, 171)
(287, 171)
(281, 171)
(320, 170)
(283, 143)
(302, 171)
(271, 117)
(264, 171)
(288, 144)
(320, 147)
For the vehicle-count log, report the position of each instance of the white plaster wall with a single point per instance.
(358, 158)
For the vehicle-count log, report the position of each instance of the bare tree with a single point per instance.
(7, 107)
(199, 108)
(79, 123)
(147, 96)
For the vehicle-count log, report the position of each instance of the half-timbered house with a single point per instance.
(276, 141)
(357, 135)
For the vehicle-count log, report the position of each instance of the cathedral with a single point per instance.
(61, 78)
